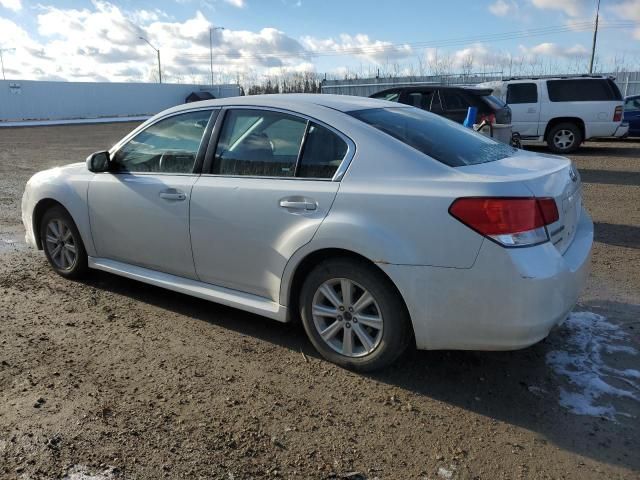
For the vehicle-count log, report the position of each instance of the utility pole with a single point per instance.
(2, 59)
(211, 30)
(158, 52)
(595, 36)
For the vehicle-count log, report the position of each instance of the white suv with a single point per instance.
(562, 111)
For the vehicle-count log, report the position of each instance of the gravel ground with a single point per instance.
(109, 378)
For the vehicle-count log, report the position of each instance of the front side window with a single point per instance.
(435, 136)
(522, 93)
(168, 146)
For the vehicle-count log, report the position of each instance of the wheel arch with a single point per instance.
(307, 263)
(39, 210)
(557, 120)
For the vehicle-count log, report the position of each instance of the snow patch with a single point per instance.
(594, 383)
(81, 472)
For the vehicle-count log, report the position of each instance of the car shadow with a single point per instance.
(610, 177)
(618, 235)
(498, 385)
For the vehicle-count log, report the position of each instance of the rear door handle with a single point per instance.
(298, 204)
(173, 194)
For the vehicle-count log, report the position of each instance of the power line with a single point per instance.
(377, 49)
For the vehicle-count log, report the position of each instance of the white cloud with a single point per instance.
(359, 45)
(502, 8)
(629, 10)
(572, 8)
(236, 3)
(15, 5)
(554, 50)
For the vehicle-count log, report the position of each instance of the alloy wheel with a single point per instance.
(564, 139)
(347, 317)
(60, 244)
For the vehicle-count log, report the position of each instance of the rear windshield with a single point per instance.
(586, 90)
(437, 137)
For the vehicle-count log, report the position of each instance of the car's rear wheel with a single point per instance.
(353, 315)
(564, 138)
(62, 243)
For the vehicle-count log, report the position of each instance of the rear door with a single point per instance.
(271, 182)
(524, 101)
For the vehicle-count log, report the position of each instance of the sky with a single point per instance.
(98, 40)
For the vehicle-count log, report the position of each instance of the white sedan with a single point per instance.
(379, 225)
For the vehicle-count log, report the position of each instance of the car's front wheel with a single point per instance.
(62, 243)
(353, 315)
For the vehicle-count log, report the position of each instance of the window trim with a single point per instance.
(217, 130)
(200, 155)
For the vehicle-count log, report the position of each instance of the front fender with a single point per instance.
(67, 186)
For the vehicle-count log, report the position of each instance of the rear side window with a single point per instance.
(522, 93)
(322, 154)
(435, 136)
(389, 96)
(632, 105)
(453, 100)
(419, 99)
(587, 90)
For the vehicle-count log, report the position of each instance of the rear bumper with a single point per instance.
(509, 299)
(622, 131)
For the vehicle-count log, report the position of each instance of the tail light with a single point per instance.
(617, 115)
(508, 221)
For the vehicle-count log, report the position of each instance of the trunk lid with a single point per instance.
(544, 176)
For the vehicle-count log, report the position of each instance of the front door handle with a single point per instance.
(298, 204)
(173, 194)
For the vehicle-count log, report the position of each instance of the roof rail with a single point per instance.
(540, 77)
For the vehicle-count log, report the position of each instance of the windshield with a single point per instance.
(437, 137)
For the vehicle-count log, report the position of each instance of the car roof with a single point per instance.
(415, 88)
(291, 101)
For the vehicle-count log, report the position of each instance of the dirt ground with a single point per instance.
(109, 378)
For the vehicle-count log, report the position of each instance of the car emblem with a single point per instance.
(573, 174)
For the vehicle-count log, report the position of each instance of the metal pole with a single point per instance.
(595, 36)
(2, 62)
(211, 53)
(159, 68)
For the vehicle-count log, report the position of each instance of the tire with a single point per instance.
(352, 343)
(564, 138)
(62, 243)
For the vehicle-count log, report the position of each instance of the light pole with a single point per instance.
(2, 60)
(211, 30)
(158, 52)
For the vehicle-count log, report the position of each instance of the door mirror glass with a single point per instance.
(98, 162)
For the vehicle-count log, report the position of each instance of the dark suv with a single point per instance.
(450, 102)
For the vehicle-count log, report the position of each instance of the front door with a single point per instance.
(139, 211)
(270, 188)
(523, 100)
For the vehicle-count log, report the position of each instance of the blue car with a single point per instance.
(632, 114)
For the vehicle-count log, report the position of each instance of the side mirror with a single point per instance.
(98, 162)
